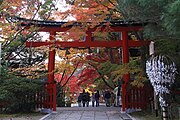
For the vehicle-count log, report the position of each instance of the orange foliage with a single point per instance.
(89, 13)
(90, 73)
(72, 82)
(14, 8)
(95, 11)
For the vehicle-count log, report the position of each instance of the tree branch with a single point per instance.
(71, 75)
(101, 75)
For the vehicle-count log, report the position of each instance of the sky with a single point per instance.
(62, 6)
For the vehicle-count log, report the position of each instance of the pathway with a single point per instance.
(88, 113)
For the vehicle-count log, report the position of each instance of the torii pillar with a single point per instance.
(50, 100)
(125, 59)
(51, 83)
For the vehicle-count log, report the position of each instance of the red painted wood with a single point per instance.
(88, 43)
(138, 98)
(88, 38)
(138, 43)
(125, 59)
(125, 52)
(124, 43)
(54, 97)
(51, 61)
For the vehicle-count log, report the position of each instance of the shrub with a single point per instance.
(17, 94)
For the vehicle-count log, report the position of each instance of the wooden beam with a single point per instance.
(76, 44)
(51, 66)
(99, 29)
(125, 59)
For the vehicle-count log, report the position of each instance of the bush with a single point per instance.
(17, 94)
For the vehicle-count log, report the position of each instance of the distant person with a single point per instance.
(112, 99)
(117, 92)
(79, 99)
(83, 98)
(93, 99)
(87, 99)
(107, 97)
(97, 96)
(119, 97)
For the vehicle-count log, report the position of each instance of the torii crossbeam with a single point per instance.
(53, 27)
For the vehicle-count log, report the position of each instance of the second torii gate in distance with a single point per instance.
(52, 27)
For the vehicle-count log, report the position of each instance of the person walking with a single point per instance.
(83, 98)
(97, 96)
(107, 98)
(112, 99)
(93, 99)
(79, 99)
(87, 99)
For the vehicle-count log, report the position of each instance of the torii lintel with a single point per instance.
(76, 44)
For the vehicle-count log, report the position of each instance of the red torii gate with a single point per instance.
(53, 27)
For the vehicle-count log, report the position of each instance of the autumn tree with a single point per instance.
(14, 52)
(66, 73)
(95, 12)
(105, 70)
(22, 62)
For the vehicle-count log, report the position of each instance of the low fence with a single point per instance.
(138, 98)
(27, 102)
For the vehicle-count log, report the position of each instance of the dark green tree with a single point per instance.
(161, 23)
(17, 94)
(161, 20)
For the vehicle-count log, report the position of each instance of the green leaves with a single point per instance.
(113, 73)
(107, 67)
(46, 8)
(163, 18)
(14, 91)
(134, 67)
(171, 18)
(1, 2)
(5, 95)
(165, 15)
